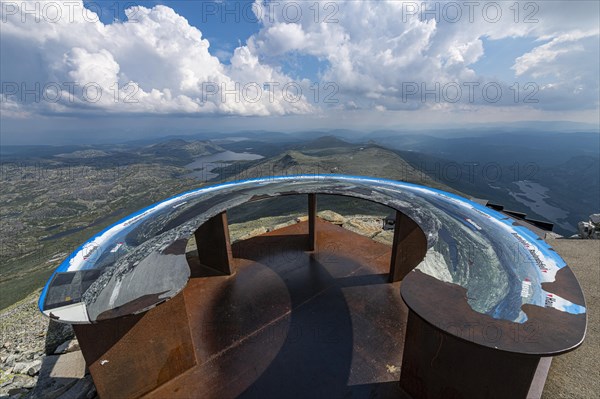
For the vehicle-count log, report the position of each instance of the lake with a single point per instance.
(202, 167)
(533, 195)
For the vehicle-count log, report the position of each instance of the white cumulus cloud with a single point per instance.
(155, 62)
(380, 55)
(374, 50)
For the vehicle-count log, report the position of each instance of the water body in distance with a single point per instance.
(202, 168)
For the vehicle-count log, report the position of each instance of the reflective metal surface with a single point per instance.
(140, 261)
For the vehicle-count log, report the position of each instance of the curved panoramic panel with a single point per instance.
(140, 261)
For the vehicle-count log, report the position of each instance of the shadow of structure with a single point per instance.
(63, 376)
(56, 334)
(295, 323)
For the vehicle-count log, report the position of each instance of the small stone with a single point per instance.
(4, 382)
(10, 360)
(24, 381)
(7, 345)
(253, 233)
(30, 384)
(62, 348)
(385, 237)
(66, 347)
(20, 368)
(34, 367)
(30, 368)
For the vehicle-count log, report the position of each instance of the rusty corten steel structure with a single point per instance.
(481, 289)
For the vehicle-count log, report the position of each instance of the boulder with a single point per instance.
(6, 379)
(253, 233)
(365, 227)
(385, 237)
(10, 360)
(588, 230)
(284, 224)
(591, 228)
(553, 235)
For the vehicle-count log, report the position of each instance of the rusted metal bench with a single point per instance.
(487, 298)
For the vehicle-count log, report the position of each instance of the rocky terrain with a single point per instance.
(367, 225)
(39, 358)
(53, 203)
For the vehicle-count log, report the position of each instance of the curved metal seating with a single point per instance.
(468, 271)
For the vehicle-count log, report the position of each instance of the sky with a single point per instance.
(134, 68)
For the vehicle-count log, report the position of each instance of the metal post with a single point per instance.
(409, 247)
(214, 247)
(312, 222)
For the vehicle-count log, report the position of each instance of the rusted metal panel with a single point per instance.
(436, 364)
(212, 240)
(539, 379)
(408, 249)
(132, 355)
(544, 330)
(312, 221)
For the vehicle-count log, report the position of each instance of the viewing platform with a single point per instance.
(463, 301)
